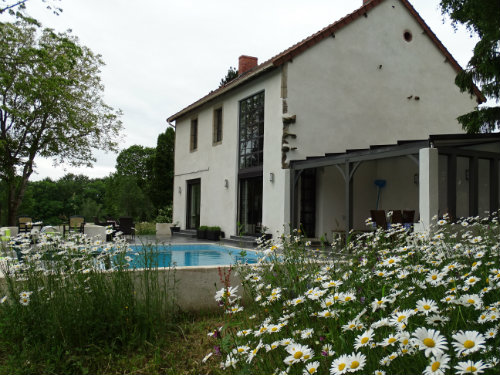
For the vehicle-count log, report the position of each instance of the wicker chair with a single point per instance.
(378, 216)
(76, 224)
(24, 224)
(126, 226)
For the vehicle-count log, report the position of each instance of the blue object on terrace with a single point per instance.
(380, 184)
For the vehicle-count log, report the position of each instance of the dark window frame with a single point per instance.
(218, 122)
(193, 137)
(251, 131)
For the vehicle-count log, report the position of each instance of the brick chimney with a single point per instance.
(245, 63)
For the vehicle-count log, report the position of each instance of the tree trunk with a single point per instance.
(15, 197)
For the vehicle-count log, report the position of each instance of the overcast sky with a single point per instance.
(162, 55)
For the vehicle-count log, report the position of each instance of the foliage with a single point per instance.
(145, 228)
(137, 162)
(18, 7)
(52, 105)
(164, 214)
(161, 190)
(389, 302)
(482, 18)
(61, 302)
(231, 74)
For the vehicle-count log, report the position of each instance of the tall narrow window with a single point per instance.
(217, 133)
(194, 135)
(252, 131)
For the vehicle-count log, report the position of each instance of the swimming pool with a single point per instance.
(192, 255)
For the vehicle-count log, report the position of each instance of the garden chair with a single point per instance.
(408, 216)
(24, 224)
(397, 217)
(126, 226)
(76, 224)
(378, 217)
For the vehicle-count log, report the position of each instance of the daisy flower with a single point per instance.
(426, 306)
(311, 368)
(430, 340)
(356, 362)
(470, 367)
(491, 333)
(363, 339)
(438, 365)
(379, 303)
(339, 366)
(298, 353)
(468, 342)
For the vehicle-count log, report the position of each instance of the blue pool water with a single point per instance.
(193, 255)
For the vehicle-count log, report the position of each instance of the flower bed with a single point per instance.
(390, 303)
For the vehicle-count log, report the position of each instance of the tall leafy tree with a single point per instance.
(136, 161)
(51, 104)
(231, 74)
(481, 17)
(163, 169)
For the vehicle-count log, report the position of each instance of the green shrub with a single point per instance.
(164, 215)
(145, 228)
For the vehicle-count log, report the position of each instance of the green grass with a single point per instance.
(145, 228)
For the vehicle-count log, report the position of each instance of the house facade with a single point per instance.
(376, 77)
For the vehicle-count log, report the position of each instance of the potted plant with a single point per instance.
(175, 228)
(213, 233)
(201, 232)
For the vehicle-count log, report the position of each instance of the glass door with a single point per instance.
(193, 204)
(250, 215)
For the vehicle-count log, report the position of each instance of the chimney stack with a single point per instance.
(245, 63)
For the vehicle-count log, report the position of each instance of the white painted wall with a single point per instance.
(351, 91)
(215, 163)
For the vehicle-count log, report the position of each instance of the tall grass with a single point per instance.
(68, 296)
(391, 302)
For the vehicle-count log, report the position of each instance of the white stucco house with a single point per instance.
(301, 138)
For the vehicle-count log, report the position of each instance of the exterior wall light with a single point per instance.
(180, 190)
(271, 177)
(415, 178)
(226, 183)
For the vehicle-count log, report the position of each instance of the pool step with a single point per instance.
(186, 233)
(240, 241)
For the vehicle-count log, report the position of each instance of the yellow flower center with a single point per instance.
(312, 370)
(328, 303)
(347, 299)
(405, 342)
(391, 261)
(471, 280)
(469, 344)
(328, 313)
(434, 277)
(493, 317)
(427, 307)
(429, 342)
(401, 318)
(306, 356)
(471, 301)
(391, 340)
(354, 364)
(342, 366)
(435, 366)
(380, 302)
(364, 340)
(240, 350)
(298, 355)
(352, 325)
(274, 329)
(471, 369)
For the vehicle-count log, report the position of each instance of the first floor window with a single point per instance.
(194, 135)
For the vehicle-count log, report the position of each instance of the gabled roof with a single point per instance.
(312, 40)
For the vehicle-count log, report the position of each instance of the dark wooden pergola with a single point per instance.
(451, 145)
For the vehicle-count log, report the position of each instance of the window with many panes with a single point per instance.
(217, 129)
(193, 144)
(252, 131)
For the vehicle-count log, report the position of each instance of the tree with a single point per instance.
(163, 169)
(16, 7)
(50, 104)
(483, 69)
(136, 161)
(231, 74)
